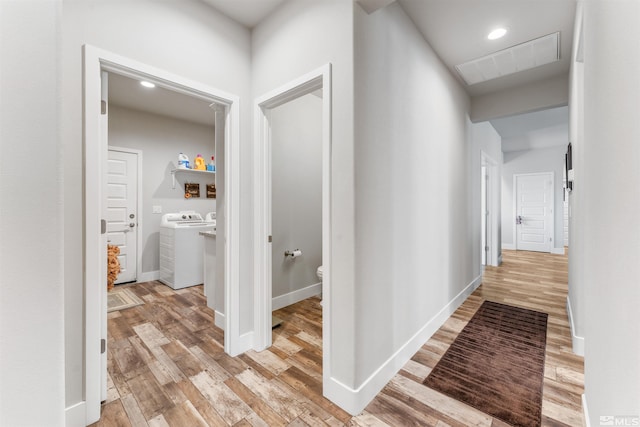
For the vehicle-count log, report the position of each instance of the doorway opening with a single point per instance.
(98, 62)
(296, 199)
(301, 90)
(155, 124)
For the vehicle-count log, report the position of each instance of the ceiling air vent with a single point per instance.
(531, 54)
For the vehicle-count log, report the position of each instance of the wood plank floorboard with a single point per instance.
(167, 366)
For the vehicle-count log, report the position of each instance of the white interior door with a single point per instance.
(122, 210)
(565, 216)
(534, 212)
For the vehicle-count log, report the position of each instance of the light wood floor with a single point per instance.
(167, 366)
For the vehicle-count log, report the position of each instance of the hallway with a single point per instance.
(167, 367)
(532, 280)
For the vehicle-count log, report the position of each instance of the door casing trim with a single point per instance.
(319, 78)
(96, 60)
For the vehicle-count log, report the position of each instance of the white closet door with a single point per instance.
(534, 212)
(122, 214)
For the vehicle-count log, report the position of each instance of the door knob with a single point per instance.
(132, 224)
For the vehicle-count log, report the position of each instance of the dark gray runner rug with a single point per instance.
(496, 364)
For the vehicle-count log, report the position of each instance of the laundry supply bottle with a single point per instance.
(183, 161)
(211, 167)
(199, 163)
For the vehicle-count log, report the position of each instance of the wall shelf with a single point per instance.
(187, 171)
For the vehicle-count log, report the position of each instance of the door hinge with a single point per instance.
(103, 226)
(270, 239)
(103, 107)
(103, 346)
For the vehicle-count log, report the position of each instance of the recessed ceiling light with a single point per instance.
(497, 33)
(147, 84)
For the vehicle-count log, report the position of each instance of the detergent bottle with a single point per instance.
(211, 167)
(183, 161)
(199, 163)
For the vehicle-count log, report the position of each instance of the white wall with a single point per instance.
(485, 139)
(296, 156)
(531, 161)
(416, 245)
(297, 38)
(610, 180)
(160, 139)
(31, 269)
(187, 38)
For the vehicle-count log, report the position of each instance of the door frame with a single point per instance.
(139, 205)
(493, 189)
(550, 244)
(485, 225)
(95, 61)
(310, 82)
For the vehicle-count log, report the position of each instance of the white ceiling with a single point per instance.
(455, 29)
(127, 92)
(247, 12)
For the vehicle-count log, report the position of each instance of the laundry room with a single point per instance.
(152, 132)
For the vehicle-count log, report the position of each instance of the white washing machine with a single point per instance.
(182, 248)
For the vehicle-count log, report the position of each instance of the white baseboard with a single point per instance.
(149, 276)
(512, 247)
(475, 284)
(76, 415)
(585, 411)
(355, 400)
(577, 341)
(219, 320)
(296, 296)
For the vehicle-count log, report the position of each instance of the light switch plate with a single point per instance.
(156, 209)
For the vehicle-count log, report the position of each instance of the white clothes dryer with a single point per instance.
(182, 248)
(210, 217)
